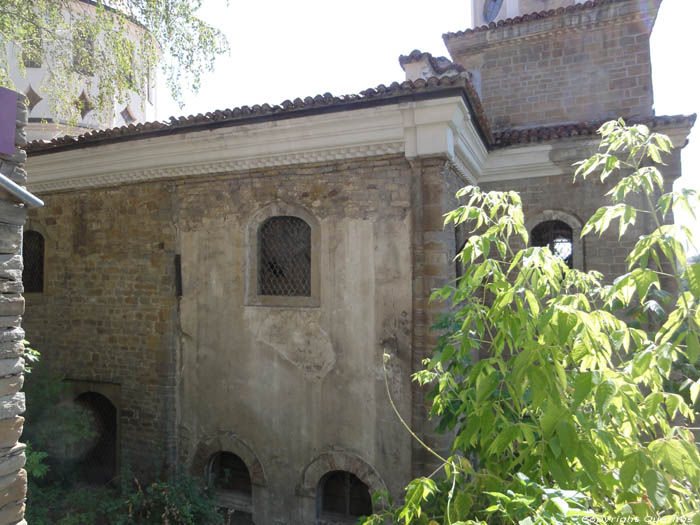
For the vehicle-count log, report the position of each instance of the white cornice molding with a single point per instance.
(520, 162)
(436, 127)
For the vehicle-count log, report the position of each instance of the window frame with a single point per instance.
(252, 297)
(572, 222)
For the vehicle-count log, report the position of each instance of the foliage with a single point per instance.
(182, 500)
(55, 432)
(80, 44)
(565, 418)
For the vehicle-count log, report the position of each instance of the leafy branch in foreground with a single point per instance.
(567, 411)
(112, 47)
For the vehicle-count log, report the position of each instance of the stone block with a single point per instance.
(12, 405)
(12, 213)
(13, 172)
(12, 287)
(10, 238)
(11, 366)
(13, 488)
(14, 334)
(11, 384)
(12, 463)
(12, 513)
(10, 431)
(11, 305)
(11, 349)
(10, 321)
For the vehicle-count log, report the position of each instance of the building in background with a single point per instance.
(30, 76)
(221, 289)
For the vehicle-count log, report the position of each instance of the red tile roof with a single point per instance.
(590, 4)
(433, 87)
(549, 133)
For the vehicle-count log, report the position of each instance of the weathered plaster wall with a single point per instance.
(13, 478)
(294, 383)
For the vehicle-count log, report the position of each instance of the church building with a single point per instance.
(220, 289)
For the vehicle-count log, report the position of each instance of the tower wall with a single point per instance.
(587, 63)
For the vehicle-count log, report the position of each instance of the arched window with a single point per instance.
(558, 237)
(98, 464)
(33, 260)
(284, 257)
(229, 476)
(341, 498)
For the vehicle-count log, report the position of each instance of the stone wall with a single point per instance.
(291, 389)
(109, 273)
(580, 66)
(13, 478)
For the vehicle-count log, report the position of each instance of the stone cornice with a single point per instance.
(439, 127)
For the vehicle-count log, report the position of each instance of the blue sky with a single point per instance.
(286, 50)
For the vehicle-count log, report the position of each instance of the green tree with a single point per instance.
(567, 417)
(82, 42)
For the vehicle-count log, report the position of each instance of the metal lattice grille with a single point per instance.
(33, 260)
(558, 237)
(284, 257)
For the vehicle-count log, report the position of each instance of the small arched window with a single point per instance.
(284, 257)
(229, 476)
(342, 498)
(33, 260)
(558, 237)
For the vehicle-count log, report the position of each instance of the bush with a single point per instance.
(566, 418)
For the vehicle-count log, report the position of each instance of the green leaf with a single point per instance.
(656, 487)
(628, 470)
(582, 387)
(604, 395)
(641, 362)
(693, 347)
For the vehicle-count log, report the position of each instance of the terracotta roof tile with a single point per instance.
(286, 109)
(548, 133)
(590, 4)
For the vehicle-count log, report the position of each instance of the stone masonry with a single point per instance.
(13, 478)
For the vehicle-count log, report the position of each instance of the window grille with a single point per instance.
(558, 237)
(33, 260)
(284, 257)
(344, 497)
(98, 464)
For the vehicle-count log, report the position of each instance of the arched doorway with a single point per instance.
(98, 463)
(229, 476)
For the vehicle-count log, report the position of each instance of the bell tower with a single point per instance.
(486, 11)
(558, 62)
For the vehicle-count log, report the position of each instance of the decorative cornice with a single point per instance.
(424, 128)
(213, 168)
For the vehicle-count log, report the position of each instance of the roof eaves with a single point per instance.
(434, 87)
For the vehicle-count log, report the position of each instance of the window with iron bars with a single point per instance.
(284, 257)
(558, 237)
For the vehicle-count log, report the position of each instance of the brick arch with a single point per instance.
(569, 219)
(228, 442)
(338, 460)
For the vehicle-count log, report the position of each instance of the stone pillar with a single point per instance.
(13, 477)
